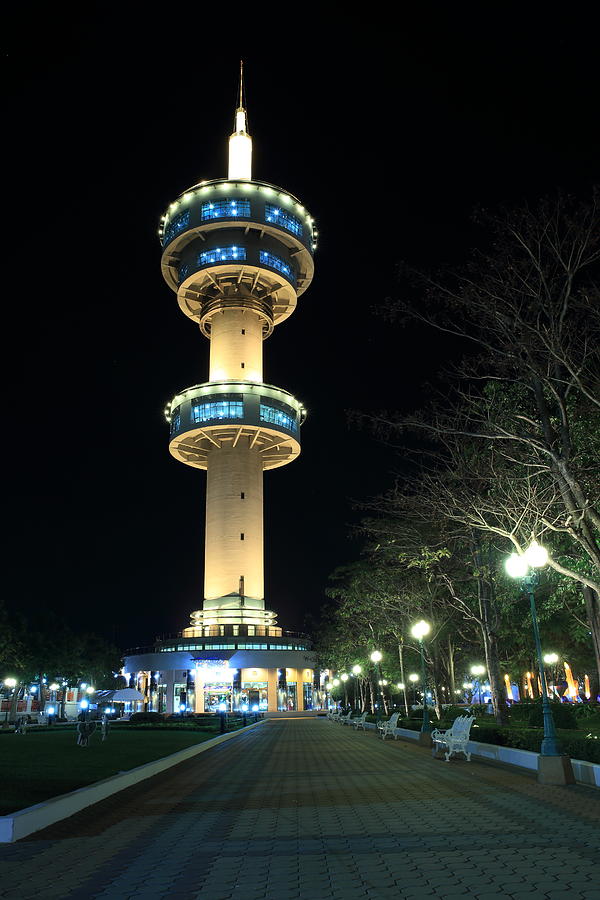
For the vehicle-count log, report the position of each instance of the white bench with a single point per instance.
(360, 722)
(333, 715)
(455, 738)
(389, 727)
(344, 719)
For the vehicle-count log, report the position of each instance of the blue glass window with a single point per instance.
(221, 253)
(179, 223)
(278, 417)
(274, 262)
(279, 216)
(175, 420)
(219, 409)
(225, 209)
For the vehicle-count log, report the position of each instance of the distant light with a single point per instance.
(356, 670)
(50, 710)
(376, 656)
(84, 704)
(245, 707)
(223, 707)
(255, 707)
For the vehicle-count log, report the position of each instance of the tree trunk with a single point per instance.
(592, 609)
(451, 675)
(401, 660)
(485, 588)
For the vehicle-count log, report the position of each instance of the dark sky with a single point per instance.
(390, 133)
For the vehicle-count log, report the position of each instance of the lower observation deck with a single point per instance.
(218, 415)
(267, 639)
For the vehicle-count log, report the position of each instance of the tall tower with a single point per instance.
(238, 253)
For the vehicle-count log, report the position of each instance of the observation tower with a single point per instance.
(238, 253)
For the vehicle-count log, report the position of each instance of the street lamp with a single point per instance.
(10, 683)
(413, 678)
(553, 766)
(419, 631)
(356, 670)
(478, 671)
(551, 659)
(376, 657)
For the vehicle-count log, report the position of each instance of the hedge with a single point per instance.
(575, 745)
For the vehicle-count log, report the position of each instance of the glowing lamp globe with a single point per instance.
(516, 566)
(400, 686)
(376, 656)
(336, 682)
(413, 677)
(344, 677)
(421, 629)
(477, 670)
(551, 658)
(10, 682)
(536, 555)
(356, 670)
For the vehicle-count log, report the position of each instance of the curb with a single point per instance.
(26, 821)
(585, 772)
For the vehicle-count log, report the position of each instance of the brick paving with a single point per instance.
(309, 809)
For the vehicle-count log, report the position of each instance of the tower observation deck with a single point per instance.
(238, 253)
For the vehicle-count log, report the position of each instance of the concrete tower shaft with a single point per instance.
(236, 351)
(234, 526)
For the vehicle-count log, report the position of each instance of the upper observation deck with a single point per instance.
(242, 243)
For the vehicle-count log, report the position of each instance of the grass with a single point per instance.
(43, 764)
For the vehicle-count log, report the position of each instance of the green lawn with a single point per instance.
(43, 764)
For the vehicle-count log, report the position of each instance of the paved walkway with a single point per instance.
(312, 810)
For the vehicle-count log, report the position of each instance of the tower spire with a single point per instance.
(241, 103)
(240, 142)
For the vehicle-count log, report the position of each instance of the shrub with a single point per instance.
(562, 714)
(573, 744)
(141, 718)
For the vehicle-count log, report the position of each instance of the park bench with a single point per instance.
(389, 727)
(360, 722)
(454, 738)
(344, 719)
(334, 715)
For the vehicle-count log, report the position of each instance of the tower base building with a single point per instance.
(238, 253)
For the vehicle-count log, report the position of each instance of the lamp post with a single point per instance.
(551, 659)
(11, 684)
(376, 657)
(419, 631)
(413, 678)
(553, 766)
(478, 671)
(356, 670)
(344, 680)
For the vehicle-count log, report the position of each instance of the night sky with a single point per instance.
(389, 133)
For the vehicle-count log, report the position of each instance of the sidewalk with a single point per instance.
(308, 809)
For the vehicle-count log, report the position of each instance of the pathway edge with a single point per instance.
(26, 821)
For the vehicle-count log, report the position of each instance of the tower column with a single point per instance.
(236, 338)
(234, 526)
